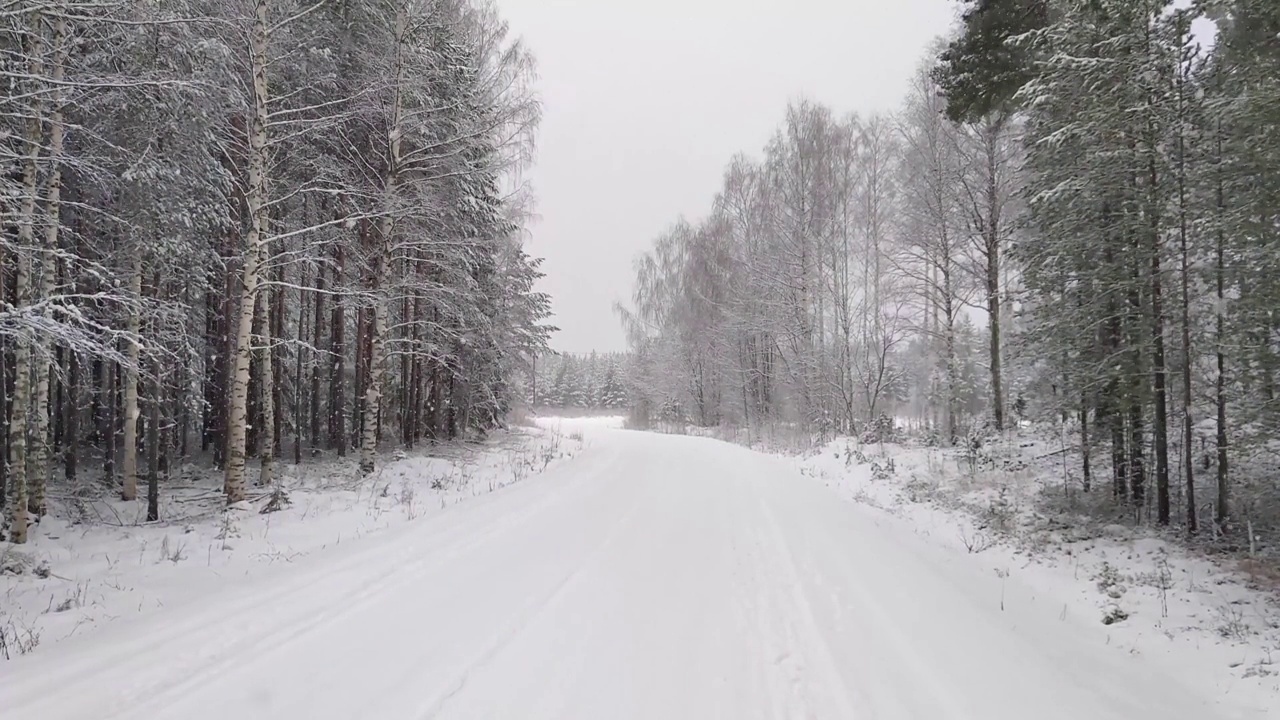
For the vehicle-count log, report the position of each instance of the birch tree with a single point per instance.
(31, 34)
(193, 233)
(255, 191)
(1084, 178)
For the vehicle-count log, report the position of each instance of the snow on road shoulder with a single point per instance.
(1210, 624)
(92, 562)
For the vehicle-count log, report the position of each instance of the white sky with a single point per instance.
(645, 102)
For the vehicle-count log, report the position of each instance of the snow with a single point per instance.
(1213, 624)
(96, 572)
(648, 576)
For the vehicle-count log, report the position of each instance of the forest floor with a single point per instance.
(1156, 595)
(94, 560)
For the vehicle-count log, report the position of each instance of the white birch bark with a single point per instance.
(377, 352)
(49, 265)
(266, 434)
(253, 251)
(22, 390)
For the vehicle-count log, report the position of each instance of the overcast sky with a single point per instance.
(645, 102)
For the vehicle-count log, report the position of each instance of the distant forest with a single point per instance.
(565, 380)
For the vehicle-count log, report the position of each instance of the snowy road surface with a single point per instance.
(652, 577)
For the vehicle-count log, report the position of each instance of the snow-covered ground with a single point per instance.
(1217, 620)
(649, 576)
(76, 576)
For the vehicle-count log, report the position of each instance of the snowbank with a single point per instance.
(1211, 623)
(95, 561)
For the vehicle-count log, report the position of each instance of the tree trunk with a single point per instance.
(373, 391)
(412, 378)
(1133, 407)
(6, 392)
(1135, 339)
(1188, 432)
(1110, 404)
(378, 325)
(993, 273)
(1222, 507)
(109, 422)
(953, 362)
(182, 398)
(1137, 469)
(1119, 459)
(153, 443)
(317, 336)
(71, 426)
(435, 398)
(1159, 372)
(252, 253)
(1086, 476)
(214, 386)
(406, 365)
(222, 352)
(266, 385)
(129, 460)
(40, 450)
(354, 440)
(274, 300)
(22, 390)
(57, 403)
(297, 371)
(17, 472)
(338, 368)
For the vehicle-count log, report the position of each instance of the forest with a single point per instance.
(243, 231)
(568, 381)
(1069, 226)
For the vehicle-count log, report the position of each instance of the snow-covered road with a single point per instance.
(652, 577)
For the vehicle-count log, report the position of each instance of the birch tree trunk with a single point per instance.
(266, 386)
(22, 390)
(378, 329)
(373, 389)
(252, 253)
(40, 451)
(949, 310)
(18, 414)
(274, 301)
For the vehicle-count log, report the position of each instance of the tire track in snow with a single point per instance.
(803, 638)
(521, 620)
(292, 609)
(894, 651)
